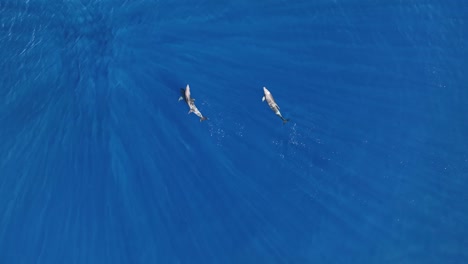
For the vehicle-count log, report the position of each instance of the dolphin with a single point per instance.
(185, 95)
(271, 102)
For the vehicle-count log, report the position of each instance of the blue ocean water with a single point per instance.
(100, 163)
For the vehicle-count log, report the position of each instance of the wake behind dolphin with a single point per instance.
(271, 102)
(185, 95)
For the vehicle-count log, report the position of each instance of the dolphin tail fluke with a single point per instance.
(285, 120)
(203, 118)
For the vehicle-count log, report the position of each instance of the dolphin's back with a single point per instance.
(271, 102)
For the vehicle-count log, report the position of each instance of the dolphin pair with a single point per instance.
(271, 102)
(185, 95)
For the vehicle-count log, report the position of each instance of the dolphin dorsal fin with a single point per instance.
(192, 100)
